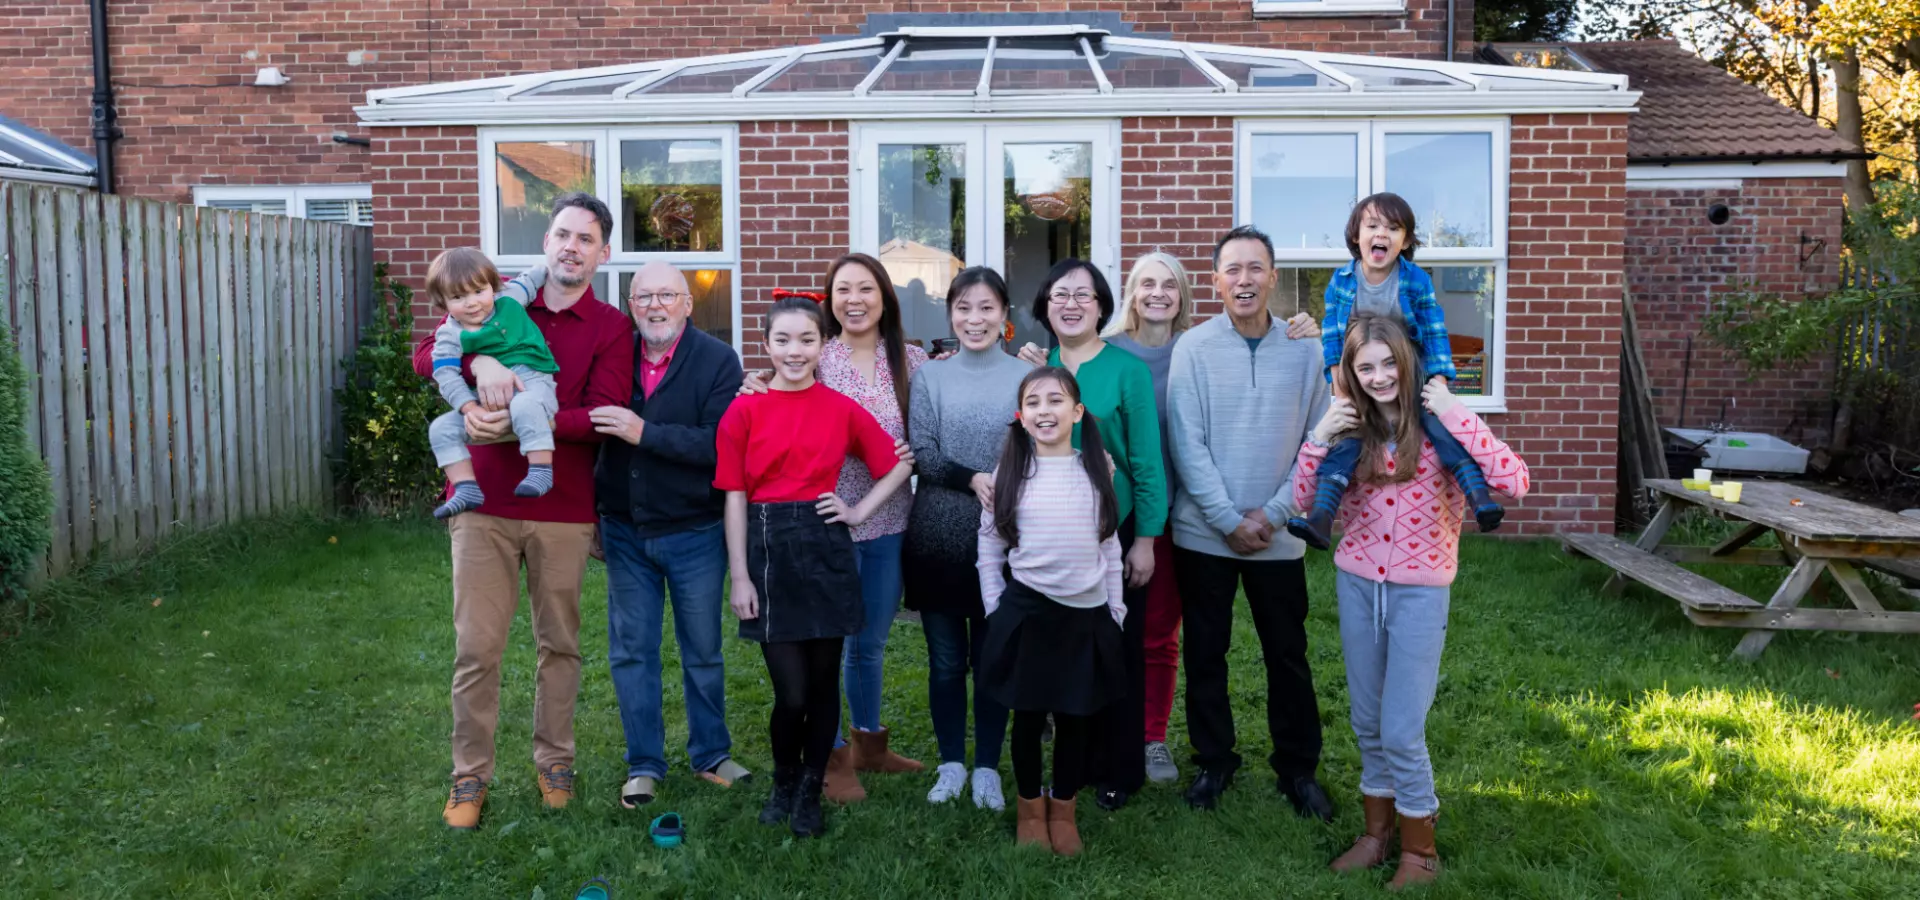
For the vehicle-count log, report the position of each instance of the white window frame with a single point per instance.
(1277, 9)
(607, 187)
(295, 196)
(1372, 178)
(985, 143)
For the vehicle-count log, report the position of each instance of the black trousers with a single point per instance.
(1119, 732)
(806, 700)
(1277, 596)
(1069, 753)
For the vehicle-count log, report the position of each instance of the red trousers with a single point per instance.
(1162, 639)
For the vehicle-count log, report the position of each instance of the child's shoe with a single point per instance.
(808, 819)
(1030, 828)
(1316, 527)
(463, 804)
(1419, 857)
(1062, 830)
(1473, 483)
(779, 805)
(538, 482)
(466, 498)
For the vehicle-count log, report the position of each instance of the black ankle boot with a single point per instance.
(1315, 528)
(1485, 510)
(786, 782)
(808, 819)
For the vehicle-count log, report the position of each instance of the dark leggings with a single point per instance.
(806, 700)
(1069, 753)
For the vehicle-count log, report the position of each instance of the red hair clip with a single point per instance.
(1016, 415)
(783, 293)
(1006, 332)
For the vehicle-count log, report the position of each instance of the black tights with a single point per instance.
(1069, 753)
(806, 700)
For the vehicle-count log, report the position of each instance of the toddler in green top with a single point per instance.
(464, 283)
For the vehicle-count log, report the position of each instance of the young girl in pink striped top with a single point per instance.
(1050, 581)
(1397, 556)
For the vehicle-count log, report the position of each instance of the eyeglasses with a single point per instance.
(1062, 298)
(662, 300)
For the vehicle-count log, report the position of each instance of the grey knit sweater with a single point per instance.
(957, 422)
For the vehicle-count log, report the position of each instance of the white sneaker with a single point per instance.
(953, 777)
(986, 790)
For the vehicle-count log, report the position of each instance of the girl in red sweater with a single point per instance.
(795, 587)
(1397, 555)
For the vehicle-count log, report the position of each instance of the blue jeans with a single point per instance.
(1345, 455)
(953, 649)
(1392, 635)
(692, 566)
(866, 653)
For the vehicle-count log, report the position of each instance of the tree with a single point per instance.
(1523, 21)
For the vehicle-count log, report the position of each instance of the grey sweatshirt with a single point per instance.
(1238, 417)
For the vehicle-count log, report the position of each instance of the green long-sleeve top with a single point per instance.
(1117, 390)
(510, 337)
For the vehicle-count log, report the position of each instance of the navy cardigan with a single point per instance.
(665, 484)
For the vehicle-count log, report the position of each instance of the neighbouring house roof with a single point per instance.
(27, 154)
(1690, 110)
(1056, 70)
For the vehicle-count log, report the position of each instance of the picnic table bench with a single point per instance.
(1820, 535)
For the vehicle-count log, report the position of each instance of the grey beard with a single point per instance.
(662, 346)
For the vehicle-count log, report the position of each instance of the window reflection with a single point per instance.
(672, 196)
(528, 177)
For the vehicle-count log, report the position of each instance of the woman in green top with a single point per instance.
(1073, 304)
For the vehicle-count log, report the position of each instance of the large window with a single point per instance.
(673, 192)
(1298, 181)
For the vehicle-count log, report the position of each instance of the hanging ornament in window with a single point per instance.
(671, 216)
(1050, 206)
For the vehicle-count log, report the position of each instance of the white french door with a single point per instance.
(931, 199)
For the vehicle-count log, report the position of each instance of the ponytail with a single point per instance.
(1093, 456)
(1016, 464)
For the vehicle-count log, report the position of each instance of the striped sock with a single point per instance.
(466, 497)
(1328, 494)
(538, 482)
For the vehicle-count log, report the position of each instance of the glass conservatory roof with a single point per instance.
(1013, 70)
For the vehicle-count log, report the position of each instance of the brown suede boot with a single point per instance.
(1419, 858)
(1062, 830)
(842, 783)
(870, 754)
(1370, 848)
(1030, 829)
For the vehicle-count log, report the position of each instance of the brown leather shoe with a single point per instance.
(870, 754)
(1370, 848)
(1062, 830)
(842, 783)
(1030, 829)
(556, 785)
(1419, 858)
(463, 804)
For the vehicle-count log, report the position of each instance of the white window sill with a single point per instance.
(1281, 9)
(1484, 406)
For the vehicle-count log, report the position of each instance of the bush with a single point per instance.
(387, 467)
(26, 494)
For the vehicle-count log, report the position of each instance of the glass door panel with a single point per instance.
(922, 240)
(1046, 205)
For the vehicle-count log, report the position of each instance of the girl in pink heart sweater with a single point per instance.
(1397, 557)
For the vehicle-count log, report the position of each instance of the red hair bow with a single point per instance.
(782, 293)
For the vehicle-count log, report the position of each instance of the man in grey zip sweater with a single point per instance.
(1242, 396)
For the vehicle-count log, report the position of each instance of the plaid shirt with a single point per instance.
(1426, 323)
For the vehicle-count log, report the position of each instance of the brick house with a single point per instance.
(778, 135)
(1726, 189)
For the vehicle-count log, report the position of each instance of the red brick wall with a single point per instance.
(1677, 261)
(182, 68)
(1565, 233)
(1176, 194)
(794, 213)
(428, 194)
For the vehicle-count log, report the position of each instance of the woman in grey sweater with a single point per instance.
(957, 421)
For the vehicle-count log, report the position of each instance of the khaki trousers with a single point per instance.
(487, 556)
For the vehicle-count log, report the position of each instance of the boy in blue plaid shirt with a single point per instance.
(1382, 280)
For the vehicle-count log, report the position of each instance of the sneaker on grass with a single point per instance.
(986, 790)
(1161, 768)
(726, 773)
(637, 792)
(950, 781)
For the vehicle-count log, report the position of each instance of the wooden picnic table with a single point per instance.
(1821, 535)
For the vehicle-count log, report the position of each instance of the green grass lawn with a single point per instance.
(264, 712)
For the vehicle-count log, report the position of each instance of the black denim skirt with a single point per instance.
(803, 570)
(1042, 656)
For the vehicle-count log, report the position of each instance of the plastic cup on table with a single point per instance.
(1718, 491)
(1703, 475)
(1730, 491)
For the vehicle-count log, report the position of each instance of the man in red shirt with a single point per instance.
(551, 535)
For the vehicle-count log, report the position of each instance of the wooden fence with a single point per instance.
(181, 359)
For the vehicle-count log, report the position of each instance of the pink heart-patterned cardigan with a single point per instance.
(1408, 532)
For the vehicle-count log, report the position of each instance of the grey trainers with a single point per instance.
(1160, 766)
(726, 774)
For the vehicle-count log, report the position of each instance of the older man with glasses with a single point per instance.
(660, 529)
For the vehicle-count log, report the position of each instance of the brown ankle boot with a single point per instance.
(842, 783)
(1370, 848)
(1030, 829)
(1419, 858)
(870, 754)
(1062, 830)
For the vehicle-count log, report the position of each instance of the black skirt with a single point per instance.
(803, 569)
(1042, 656)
